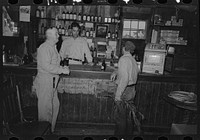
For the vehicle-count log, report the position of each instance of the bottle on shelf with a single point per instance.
(63, 15)
(109, 19)
(92, 18)
(66, 32)
(112, 59)
(109, 34)
(79, 17)
(83, 31)
(60, 30)
(95, 19)
(113, 35)
(74, 16)
(71, 15)
(25, 55)
(37, 13)
(91, 32)
(63, 30)
(116, 35)
(94, 60)
(42, 13)
(84, 17)
(42, 29)
(88, 17)
(113, 20)
(67, 15)
(100, 19)
(69, 30)
(87, 33)
(4, 55)
(106, 19)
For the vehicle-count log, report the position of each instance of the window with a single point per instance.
(134, 28)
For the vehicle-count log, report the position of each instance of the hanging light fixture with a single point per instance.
(126, 1)
(178, 1)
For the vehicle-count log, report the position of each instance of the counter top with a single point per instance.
(94, 72)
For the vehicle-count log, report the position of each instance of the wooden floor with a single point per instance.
(93, 130)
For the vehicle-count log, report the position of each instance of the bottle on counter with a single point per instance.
(85, 60)
(66, 61)
(103, 65)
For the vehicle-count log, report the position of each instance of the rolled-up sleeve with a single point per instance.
(45, 61)
(86, 50)
(62, 50)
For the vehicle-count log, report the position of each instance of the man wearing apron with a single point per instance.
(126, 78)
(48, 70)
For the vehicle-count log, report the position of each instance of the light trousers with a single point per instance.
(48, 102)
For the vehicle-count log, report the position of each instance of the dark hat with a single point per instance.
(129, 46)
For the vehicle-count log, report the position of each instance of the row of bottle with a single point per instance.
(79, 17)
(84, 32)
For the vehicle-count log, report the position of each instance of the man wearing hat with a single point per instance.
(126, 78)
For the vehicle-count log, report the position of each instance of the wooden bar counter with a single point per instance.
(84, 95)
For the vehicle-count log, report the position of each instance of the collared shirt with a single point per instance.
(75, 48)
(127, 73)
(48, 59)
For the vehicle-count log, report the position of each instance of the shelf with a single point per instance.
(77, 20)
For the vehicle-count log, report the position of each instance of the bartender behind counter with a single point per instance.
(75, 47)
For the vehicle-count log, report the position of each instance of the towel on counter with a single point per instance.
(183, 96)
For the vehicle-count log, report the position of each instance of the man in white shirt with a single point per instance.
(48, 70)
(75, 47)
(126, 78)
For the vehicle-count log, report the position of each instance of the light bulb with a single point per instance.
(126, 1)
(178, 1)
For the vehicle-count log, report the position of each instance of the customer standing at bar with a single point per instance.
(126, 78)
(48, 70)
(75, 47)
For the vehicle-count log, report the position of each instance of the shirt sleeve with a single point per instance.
(44, 56)
(63, 49)
(122, 76)
(87, 51)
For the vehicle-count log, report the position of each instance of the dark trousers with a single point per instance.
(123, 121)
